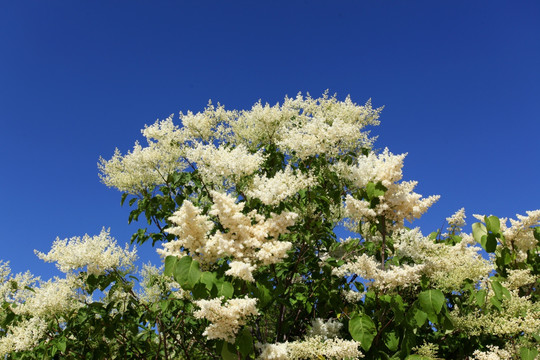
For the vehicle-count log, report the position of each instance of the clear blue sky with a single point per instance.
(460, 81)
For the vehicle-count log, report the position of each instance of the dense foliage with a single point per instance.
(246, 208)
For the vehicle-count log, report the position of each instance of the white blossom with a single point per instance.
(98, 254)
(144, 167)
(23, 336)
(225, 319)
(271, 191)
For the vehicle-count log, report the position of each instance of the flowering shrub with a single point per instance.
(245, 209)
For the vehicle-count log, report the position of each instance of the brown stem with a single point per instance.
(383, 245)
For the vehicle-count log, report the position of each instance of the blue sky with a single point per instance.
(460, 82)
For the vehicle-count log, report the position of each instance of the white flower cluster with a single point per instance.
(24, 336)
(212, 123)
(249, 240)
(427, 350)
(399, 202)
(456, 222)
(326, 126)
(303, 126)
(519, 236)
(312, 348)
(225, 319)
(14, 289)
(449, 266)
(217, 164)
(143, 168)
(327, 329)
(519, 317)
(494, 353)
(369, 269)
(271, 191)
(518, 278)
(97, 254)
(384, 167)
(56, 296)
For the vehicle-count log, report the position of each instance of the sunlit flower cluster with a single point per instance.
(96, 254)
(225, 319)
(249, 240)
(216, 164)
(56, 296)
(519, 315)
(24, 336)
(14, 289)
(271, 191)
(399, 201)
(448, 265)
(312, 348)
(370, 269)
(144, 167)
(456, 222)
(493, 353)
(327, 329)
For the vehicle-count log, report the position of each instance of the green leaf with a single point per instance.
(374, 190)
(431, 301)
(208, 279)
(418, 357)
(527, 353)
(170, 263)
(228, 352)
(225, 289)
(420, 317)
(496, 302)
(497, 289)
(363, 330)
(478, 230)
(245, 342)
(493, 224)
(391, 340)
(480, 297)
(536, 233)
(200, 291)
(187, 272)
(61, 345)
(491, 243)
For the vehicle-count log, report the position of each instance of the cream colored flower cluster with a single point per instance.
(217, 164)
(312, 348)
(326, 126)
(14, 289)
(494, 353)
(518, 278)
(519, 316)
(456, 222)
(98, 254)
(385, 167)
(369, 268)
(326, 329)
(427, 350)
(155, 286)
(143, 168)
(249, 239)
(306, 126)
(214, 123)
(225, 319)
(24, 336)
(448, 265)
(55, 297)
(285, 183)
(519, 236)
(399, 201)
(224, 143)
